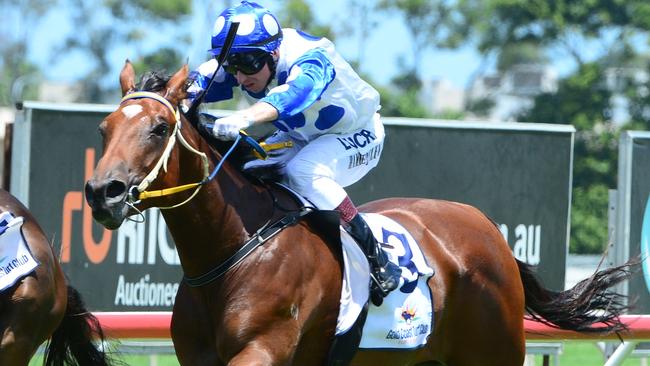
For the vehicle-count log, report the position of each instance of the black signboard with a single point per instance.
(633, 211)
(519, 174)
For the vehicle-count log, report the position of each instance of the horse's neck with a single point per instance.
(216, 222)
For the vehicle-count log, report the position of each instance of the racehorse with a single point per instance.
(278, 305)
(42, 305)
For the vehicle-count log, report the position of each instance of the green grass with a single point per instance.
(573, 354)
(584, 354)
(130, 360)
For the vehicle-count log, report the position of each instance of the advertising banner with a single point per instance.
(632, 237)
(519, 174)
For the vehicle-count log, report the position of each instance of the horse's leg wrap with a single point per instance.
(385, 274)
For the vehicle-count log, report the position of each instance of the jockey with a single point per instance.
(300, 84)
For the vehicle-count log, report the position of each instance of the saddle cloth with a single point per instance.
(405, 319)
(16, 260)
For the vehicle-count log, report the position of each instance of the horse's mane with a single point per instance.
(155, 81)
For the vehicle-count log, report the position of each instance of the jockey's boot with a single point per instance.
(384, 273)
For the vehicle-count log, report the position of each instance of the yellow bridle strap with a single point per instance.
(272, 147)
(162, 162)
(167, 191)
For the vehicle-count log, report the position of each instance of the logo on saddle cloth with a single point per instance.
(16, 260)
(408, 315)
(405, 318)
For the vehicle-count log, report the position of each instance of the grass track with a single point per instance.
(574, 354)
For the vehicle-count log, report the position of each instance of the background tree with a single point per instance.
(297, 14)
(430, 23)
(580, 30)
(400, 97)
(583, 100)
(17, 73)
(360, 24)
(117, 23)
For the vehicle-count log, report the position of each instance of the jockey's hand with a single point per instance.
(227, 128)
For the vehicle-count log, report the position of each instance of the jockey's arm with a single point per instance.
(307, 81)
(260, 112)
(220, 89)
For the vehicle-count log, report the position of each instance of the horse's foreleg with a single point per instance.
(16, 350)
(263, 353)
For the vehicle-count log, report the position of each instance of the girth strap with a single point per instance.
(261, 236)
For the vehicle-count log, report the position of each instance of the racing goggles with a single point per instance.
(247, 63)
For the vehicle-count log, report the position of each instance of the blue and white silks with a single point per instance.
(315, 90)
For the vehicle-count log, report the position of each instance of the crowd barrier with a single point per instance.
(156, 325)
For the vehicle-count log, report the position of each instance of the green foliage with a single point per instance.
(130, 23)
(637, 91)
(520, 53)
(17, 75)
(594, 173)
(403, 104)
(589, 219)
(164, 59)
(430, 23)
(450, 115)
(297, 14)
(401, 98)
(583, 100)
(157, 9)
(565, 25)
(481, 107)
(16, 70)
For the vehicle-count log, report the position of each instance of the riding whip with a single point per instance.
(221, 58)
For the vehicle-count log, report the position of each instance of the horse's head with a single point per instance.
(138, 139)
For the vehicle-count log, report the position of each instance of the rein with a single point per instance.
(262, 235)
(138, 193)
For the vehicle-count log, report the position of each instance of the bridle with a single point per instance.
(138, 193)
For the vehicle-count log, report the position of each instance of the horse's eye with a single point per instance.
(160, 130)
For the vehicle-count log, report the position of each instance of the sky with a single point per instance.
(388, 42)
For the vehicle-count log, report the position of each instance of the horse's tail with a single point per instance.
(589, 306)
(73, 339)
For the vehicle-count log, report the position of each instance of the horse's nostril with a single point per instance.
(89, 192)
(115, 188)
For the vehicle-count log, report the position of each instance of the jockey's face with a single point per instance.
(251, 69)
(255, 83)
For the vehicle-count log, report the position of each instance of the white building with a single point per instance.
(514, 90)
(55, 92)
(616, 79)
(440, 96)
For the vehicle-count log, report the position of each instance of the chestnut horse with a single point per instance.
(42, 305)
(279, 304)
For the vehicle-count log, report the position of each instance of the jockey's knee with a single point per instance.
(300, 175)
(300, 182)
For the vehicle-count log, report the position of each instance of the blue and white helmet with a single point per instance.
(258, 29)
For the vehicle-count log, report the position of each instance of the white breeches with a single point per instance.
(320, 169)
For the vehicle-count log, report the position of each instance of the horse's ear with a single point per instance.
(176, 86)
(127, 78)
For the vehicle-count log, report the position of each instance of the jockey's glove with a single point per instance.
(227, 128)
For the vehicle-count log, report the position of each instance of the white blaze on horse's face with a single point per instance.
(131, 111)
